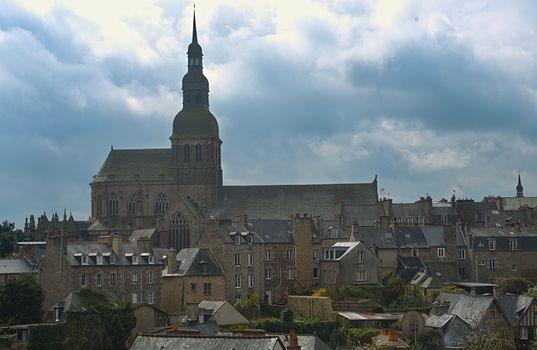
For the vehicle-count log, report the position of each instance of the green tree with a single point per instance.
(395, 287)
(431, 339)
(20, 300)
(513, 285)
(287, 315)
(111, 324)
(8, 237)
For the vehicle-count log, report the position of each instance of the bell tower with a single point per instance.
(195, 139)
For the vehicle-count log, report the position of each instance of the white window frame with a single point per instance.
(318, 270)
(360, 257)
(421, 221)
(290, 273)
(250, 280)
(523, 333)
(492, 244)
(84, 260)
(513, 244)
(135, 259)
(134, 277)
(462, 254)
(237, 259)
(238, 281)
(316, 255)
(250, 239)
(151, 259)
(150, 277)
(492, 264)
(84, 280)
(268, 255)
(112, 259)
(99, 259)
(99, 280)
(289, 254)
(151, 298)
(361, 276)
(268, 273)
(250, 259)
(444, 219)
(441, 252)
(414, 252)
(237, 239)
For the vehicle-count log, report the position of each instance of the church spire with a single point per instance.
(194, 30)
(519, 188)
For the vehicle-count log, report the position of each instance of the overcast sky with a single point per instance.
(433, 96)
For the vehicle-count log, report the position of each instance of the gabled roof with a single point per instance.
(189, 262)
(410, 237)
(283, 201)
(15, 266)
(514, 307)
(136, 165)
(272, 231)
(142, 233)
(438, 321)
(470, 309)
(211, 305)
(177, 342)
(381, 238)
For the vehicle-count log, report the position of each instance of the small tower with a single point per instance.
(519, 188)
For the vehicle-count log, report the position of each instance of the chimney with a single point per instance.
(293, 341)
(392, 336)
(116, 244)
(354, 230)
(172, 256)
(144, 244)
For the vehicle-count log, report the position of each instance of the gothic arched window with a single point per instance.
(131, 205)
(198, 152)
(113, 205)
(179, 232)
(187, 153)
(161, 204)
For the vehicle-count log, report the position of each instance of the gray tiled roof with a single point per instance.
(367, 215)
(272, 231)
(410, 237)
(147, 164)
(382, 238)
(468, 308)
(434, 235)
(142, 233)
(283, 201)
(189, 262)
(145, 342)
(514, 307)
(15, 266)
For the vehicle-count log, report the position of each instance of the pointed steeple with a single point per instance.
(519, 188)
(194, 30)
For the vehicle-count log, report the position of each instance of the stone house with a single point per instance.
(192, 275)
(131, 271)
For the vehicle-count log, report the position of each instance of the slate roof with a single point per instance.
(15, 266)
(434, 235)
(104, 249)
(410, 237)
(177, 342)
(469, 309)
(514, 307)
(382, 238)
(189, 263)
(445, 271)
(283, 201)
(438, 321)
(404, 210)
(147, 164)
(367, 215)
(272, 231)
(211, 305)
(409, 266)
(526, 238)
(142, 233)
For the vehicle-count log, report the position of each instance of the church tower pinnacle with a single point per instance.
(195, 138)
(519, 188)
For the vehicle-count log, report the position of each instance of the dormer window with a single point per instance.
(112, 259)
(84, 260)
(99, 259)
(135, 260)
(204, 267)
(151, 259)
(237, 239)
(250, 239)
(198, 152)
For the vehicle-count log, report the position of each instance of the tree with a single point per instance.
(111, 324)
(431, 339)
(8, 237)
(489, 334)
(513, 285)
(287, 315)
(395, 287)
(20, 300)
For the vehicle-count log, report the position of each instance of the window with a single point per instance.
(250, 239)
(150, 277)
(250, 259)
(289, 254)
(462, 254)
(151, 259)
(112, 279)
(99, 259)
(492, 264)
(316, 273)
(290, 274)
(131, 205)
(135, 259)
(360, 257)
(180, 232)
(198, 152)
(161, 204)
(150, 297)
(193, 287)
(250, 280)
(513, 244)
(134, 276)
(206, 289)
(316, 254)
(113, 205)
(187, 153)
(443, 219)
(134, 297)
(421, 220)
(523, 333)
(441, 252)
(414, 252)
(204, 267)
(237, 259)
(492, 244)
(238, 298)
(462, 272)
(84, 260)
(112, 259)
(238, 281)
(83, 280)
(268, 255)
(237, 239)
(361, 276)
(99, 279)
(268, 273)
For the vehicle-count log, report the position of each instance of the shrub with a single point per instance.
(360, 336)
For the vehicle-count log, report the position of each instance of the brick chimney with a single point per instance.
(391, 335)
(116, 244)
(293, 341)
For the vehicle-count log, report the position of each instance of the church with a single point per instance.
(175, 189)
